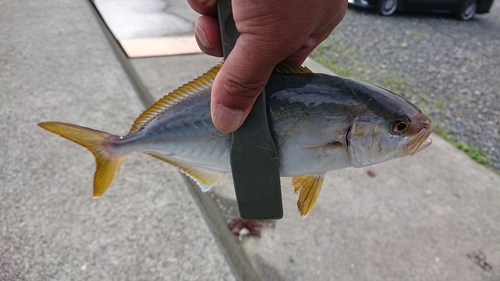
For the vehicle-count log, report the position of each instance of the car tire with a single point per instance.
(468, 10)
(387, 7)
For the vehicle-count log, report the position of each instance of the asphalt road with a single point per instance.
(449, 68)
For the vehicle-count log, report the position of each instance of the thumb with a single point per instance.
(238, 84)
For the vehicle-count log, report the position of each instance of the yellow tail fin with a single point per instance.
(95, 141)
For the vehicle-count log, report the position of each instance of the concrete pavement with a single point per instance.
(56, 64)
(433, 216)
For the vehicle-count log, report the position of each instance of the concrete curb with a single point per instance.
(234, 255)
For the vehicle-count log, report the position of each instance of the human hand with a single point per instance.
(270, 31)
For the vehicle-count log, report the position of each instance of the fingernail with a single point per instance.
(202, 38)
(226, 119)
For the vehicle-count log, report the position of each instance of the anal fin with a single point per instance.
(205, 178)
(308, 187)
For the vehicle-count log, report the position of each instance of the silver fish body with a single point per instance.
(319, 123)
(310, 118)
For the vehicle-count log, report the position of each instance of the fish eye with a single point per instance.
(400, 126)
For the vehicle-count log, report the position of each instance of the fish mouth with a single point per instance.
(421, 140)
(426, 143)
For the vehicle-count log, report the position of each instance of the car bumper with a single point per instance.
(360, 3)
(484, 6)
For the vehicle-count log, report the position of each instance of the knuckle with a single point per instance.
(239, 89)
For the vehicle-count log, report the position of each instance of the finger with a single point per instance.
(207, 35)
(309, 45)
(301, 55)
(204, 7)
(239, 82)
(315, 39)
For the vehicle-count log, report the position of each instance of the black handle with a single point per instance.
(254, 157)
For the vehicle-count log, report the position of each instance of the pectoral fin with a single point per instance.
(205, 178)
(308, 187)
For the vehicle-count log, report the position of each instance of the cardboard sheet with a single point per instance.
(160, 46)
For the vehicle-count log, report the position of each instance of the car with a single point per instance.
(462, 9)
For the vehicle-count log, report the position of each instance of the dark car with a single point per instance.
(463, 9)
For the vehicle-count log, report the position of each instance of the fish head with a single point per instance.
(387, 127)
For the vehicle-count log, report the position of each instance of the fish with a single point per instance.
(319, 123)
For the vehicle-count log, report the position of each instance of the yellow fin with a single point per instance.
(186, 91)
(95, 141)
(292, 68)
(309, 187)
(205, 178)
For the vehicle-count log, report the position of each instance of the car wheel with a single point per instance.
(387, 7)
(468, 10)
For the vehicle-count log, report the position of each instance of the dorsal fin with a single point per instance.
(186, 91)
(291, 68)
